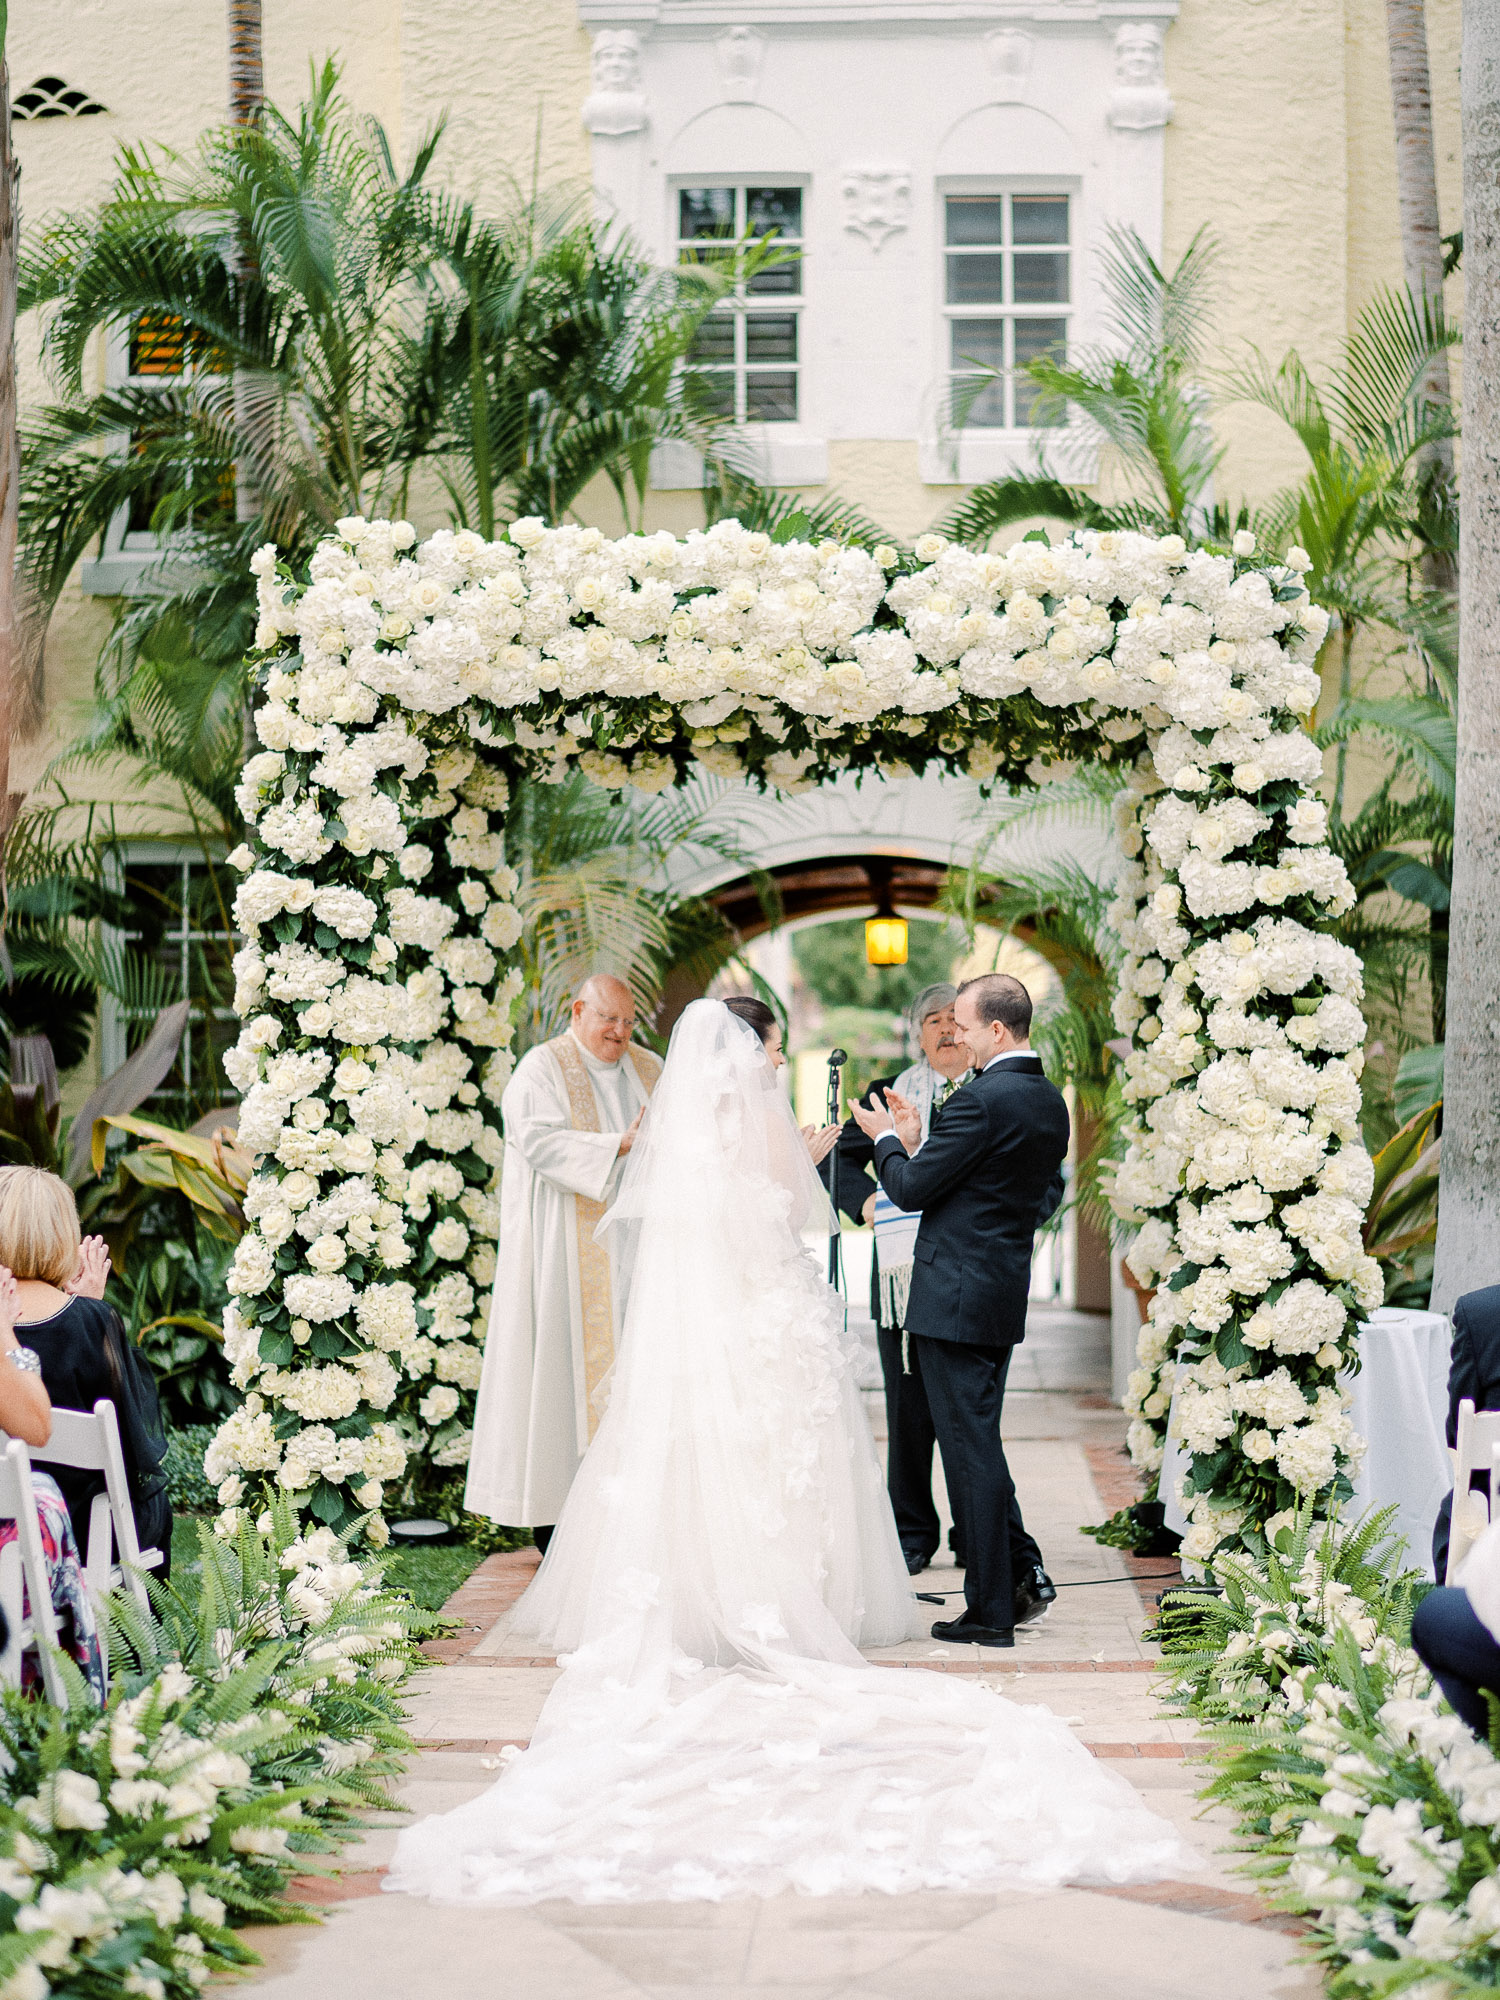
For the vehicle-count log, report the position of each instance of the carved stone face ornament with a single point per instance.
(617, 104)
(1139, 101)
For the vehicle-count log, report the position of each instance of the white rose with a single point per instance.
(1244, 543)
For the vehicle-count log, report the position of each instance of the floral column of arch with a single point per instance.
(404, 687)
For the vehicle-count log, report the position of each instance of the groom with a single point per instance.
(980, 1179)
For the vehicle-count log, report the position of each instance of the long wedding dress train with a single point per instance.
(726, 1549)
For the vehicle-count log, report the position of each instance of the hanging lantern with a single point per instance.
(885, 940)
(885, 932)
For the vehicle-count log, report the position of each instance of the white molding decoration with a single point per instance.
(669, 14)
(739, 52)
(1010, 52)
(877, 202)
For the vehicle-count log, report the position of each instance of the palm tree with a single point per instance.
(333, 326)
(1422, 260)
(1138, 395)
(1469, 1212)
(551, 350)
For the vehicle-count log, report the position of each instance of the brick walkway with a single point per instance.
(1167, 1941)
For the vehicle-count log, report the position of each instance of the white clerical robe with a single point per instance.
(557, 1308)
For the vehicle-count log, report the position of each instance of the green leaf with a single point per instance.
(1230, 1346)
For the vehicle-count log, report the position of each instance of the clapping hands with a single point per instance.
(93, 1270)
(820, 1140)
(898, 1115)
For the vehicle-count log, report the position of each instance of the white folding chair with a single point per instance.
(24, 1579)
(87, 1442)
(1476, 1453)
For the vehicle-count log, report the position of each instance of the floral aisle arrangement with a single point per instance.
(404, 686)
(263, 1718)
(1365, 1803)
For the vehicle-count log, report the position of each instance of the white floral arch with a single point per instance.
(404, 686)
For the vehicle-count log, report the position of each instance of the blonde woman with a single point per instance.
(81, 1343)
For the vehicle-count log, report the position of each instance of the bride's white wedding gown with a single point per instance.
(725, 1551)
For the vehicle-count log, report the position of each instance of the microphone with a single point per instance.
(836, 1060)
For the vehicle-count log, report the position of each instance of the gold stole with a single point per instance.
(593, 1259)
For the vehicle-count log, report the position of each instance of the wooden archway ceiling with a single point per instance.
(823, 887)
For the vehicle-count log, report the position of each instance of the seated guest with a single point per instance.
(1474, 1371)
(26, 1413)
(82, 1345)
(1457, 1632)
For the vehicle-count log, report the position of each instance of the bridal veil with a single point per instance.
(725, 1551)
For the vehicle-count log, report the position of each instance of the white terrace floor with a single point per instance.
(1086, 1662)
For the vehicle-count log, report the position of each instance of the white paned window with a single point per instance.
(747, 360)
(1007, 286)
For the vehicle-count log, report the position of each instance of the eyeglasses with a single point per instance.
(610, 1020)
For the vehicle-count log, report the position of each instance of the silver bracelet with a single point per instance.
(26, 1359)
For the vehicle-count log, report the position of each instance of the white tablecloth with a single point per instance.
(1399, 1404)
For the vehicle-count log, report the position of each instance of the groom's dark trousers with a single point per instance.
(982, 1178)
(965, 1391)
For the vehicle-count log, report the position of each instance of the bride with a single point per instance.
(726, 1550)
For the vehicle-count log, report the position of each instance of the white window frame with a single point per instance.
(986, 451)
(743, 305)
(114, 1021)
(788, 454)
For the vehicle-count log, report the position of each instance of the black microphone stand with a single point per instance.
(836, 1060)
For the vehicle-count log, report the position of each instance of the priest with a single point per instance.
(571, 1113)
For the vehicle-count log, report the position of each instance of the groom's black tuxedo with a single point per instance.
(983, 1178)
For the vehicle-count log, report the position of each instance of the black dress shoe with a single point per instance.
(962, 1633)
(1036, 1594)
(915, 1562)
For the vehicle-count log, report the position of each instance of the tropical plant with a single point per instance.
(1398, 849)
(254, 1714)
(592, 893)
(323, 326)
(1137, 397)
(1363, 508)
(550, 351)
(1400, 1226)
(1362, 1803)
(171, 1214)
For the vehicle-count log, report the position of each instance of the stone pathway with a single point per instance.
(1087, 1662)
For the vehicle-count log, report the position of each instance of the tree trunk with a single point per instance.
(1421, 231)
(1469, 1213)
(247, 80)
(247, 96)
(10, 455)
